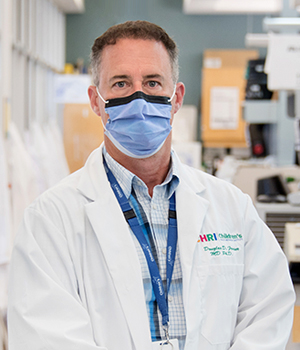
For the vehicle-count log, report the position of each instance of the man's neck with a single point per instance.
(152, 171)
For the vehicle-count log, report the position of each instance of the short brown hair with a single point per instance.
(133, 30)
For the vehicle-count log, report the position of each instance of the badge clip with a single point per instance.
(166, 342)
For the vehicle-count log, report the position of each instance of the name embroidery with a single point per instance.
(221, 250)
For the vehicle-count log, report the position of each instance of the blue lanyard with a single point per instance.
(132, 220)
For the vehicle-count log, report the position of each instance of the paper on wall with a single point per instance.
(224, 107)
(185, 124)
(212, 62)
(71, 88)
(189, 153)
(283, 62)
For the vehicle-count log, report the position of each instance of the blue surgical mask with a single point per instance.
(139, 124)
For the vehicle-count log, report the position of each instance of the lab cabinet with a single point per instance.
(276, 216)
(260, 112)
(281, 135)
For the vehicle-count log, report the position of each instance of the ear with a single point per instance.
(94, 99)
(179, 94)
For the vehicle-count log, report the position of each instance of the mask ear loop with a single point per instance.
(101, 96)
(170, 99)
(105, 103)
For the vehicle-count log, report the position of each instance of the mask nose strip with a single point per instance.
(105, 101)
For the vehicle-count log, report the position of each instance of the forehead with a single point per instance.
(135, 55)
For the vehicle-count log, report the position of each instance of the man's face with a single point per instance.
(134, 65)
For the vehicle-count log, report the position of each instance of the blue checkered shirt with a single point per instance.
(152, 214)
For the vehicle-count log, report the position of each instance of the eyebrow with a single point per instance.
(117, 77)
(125, 76)
(154, 76)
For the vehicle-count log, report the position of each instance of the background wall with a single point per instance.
(192, 33)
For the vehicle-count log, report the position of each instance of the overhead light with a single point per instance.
(231, 6)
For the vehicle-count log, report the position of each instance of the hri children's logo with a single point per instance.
(209, 237)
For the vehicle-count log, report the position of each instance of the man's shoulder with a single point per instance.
(212, 184)
(72, 187)
(204, 177)
(64, 192)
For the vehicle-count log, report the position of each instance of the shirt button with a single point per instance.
(170, 299)
(154, 207)
(164, 251)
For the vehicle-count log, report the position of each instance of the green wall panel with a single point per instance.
(192, 33)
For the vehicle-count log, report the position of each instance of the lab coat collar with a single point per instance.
(93, 176)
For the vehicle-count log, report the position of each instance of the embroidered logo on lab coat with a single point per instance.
(219, 237)
(224, 243)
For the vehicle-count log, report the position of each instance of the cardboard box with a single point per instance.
(83, 132)
(296, 325)
(223, 90)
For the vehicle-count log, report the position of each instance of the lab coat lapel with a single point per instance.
(122, 261)
(107, 220)
(191, 209)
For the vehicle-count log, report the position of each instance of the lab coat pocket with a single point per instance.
(220, 291)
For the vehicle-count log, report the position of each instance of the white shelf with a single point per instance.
(279, 23)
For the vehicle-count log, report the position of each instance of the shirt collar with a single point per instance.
(125, 177)
(172, 177)
(122, 175)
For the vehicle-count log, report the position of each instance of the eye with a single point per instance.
(152, 83)
(120, 84)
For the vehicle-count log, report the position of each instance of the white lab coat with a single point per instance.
(21, 176)
(45, 147)
(76, 282)
(5, 232)
(5, 210)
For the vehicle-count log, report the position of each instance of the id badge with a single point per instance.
(172, 344)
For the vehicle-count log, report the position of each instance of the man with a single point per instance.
(136, 250)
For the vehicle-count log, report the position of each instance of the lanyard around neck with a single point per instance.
(132, 220)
